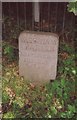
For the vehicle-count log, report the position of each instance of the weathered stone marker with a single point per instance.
(38, 53)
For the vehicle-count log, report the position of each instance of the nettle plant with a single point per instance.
(62, 90)
(11, 28)
(11, 31)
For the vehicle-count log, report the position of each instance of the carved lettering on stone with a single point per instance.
(38, 54)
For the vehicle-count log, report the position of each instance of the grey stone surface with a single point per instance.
(38, 54)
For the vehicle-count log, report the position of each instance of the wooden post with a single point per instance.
(36, 11)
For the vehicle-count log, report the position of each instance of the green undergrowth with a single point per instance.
(56, 99)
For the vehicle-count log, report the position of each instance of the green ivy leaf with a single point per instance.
(72, 7)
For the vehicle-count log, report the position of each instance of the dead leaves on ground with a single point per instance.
(32, 86)
(57, 104)
(10, 92)
(64, 55)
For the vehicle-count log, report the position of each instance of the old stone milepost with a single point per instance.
(38, 55)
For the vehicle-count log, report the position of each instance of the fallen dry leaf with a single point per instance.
(10, 92)
(64, 55)
(32, 86)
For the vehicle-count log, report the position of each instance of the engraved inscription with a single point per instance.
(38, 56)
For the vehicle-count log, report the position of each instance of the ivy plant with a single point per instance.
(72, 7)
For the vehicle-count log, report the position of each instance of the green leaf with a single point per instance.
(53, 110)
(72, 7)
(8, 50)
(71, 108)
(63, 115)
(9, 115)
(62, 82)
